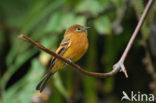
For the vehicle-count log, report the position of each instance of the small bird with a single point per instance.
(73, 46)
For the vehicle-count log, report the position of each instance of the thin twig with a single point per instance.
(120, 63)
(77, 67)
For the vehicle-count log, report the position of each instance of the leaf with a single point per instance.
(40, 10)
(103, 25)
(21, 59)
(118, 3)
(91, 6)
(54, 22)
(22, 91)
(70, 19)
(58, 84)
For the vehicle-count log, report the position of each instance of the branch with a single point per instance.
(75, 66)
(116, 67)
(120, 63)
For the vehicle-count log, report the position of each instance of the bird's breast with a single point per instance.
(78, 47)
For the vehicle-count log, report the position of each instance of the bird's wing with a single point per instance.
(62, 48)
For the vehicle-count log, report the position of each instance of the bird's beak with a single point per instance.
(86, 28)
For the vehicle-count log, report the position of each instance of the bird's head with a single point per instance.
(77, 30)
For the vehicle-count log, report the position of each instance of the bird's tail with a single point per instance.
(41, 85)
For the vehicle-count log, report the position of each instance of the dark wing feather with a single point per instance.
(63, 46)
(61, 51)
(41, 85)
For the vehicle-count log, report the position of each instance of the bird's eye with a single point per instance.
(78, 29)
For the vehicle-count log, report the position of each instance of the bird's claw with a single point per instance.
(70, 61)
(78, 67)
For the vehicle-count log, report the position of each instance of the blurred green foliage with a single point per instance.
(45, 21)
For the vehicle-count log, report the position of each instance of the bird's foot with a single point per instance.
(69, 60)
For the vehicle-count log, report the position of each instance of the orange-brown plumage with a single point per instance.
(73, 46)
